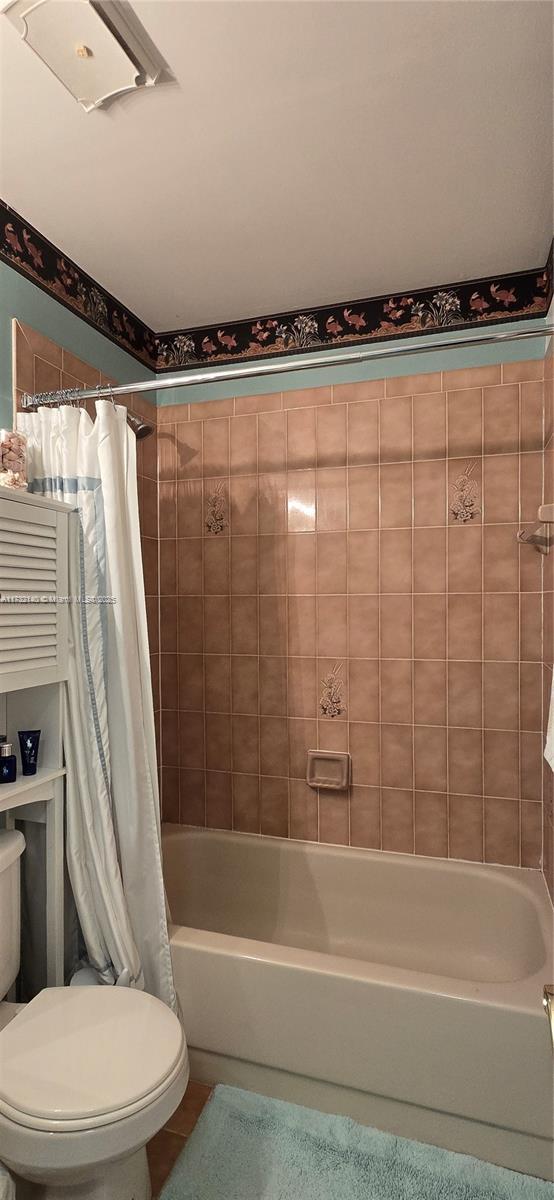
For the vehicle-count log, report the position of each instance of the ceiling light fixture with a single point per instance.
(96, 48)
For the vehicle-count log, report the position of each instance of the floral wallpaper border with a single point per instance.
(526, 294)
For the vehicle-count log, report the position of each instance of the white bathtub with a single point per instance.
(403, 991)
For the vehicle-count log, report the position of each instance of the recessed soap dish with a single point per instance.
(328, 769)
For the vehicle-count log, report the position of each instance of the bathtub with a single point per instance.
(402, 991)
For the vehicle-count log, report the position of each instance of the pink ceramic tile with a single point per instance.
(168, 569)
(363, 433)
(429, 493)
(274, 746)
(396, 492)
(501, 419)
(464, 423)
(363, 626)
(244, 565)
(395, 429)
(302, 737)
(190, 682)
(501, 759)
(191, 733)
(429, 555)
(273, 686)
(331, 563)
(302, 625)
(464, 626)
(429, 626)
(364, 749)
(218, 741)
(429, 692)
(396, 690)
(258, 404)
(244, 684)
(397, 756)
(396, 626)
(431, 824)
(272, 503)
(202, 409)
(407, 385)
(216, 566)
(273, 625)
(301, 563)
(188, 451)
(395, 560)
(191, 635)
(216, 625)
(331, 626)
(274, 803)
(465, 680)
(189, 565)
(366, 389)
(244, 625)
(246, 744)
(303, 811)
(466, 827)
(464, 558)
(334, 818)
(301, 502)
(501, 625)
(363, 497)
(215, 453)
(531, 835)
(501, 696)
(500, 558)
(331, 435)
(272, 441)
(272, 563)
(217, 682)
(530, 695)
(246, 803)
(429, 417)
(301, 439)
(472, 377)
(501, 831)
(430, 758)
(331, 499)
(397, 816)
(531, 766)
(244, 504)
(244, 445)
(532, 416)
(465, 761)
(192, 800)
(363, 689)
(365, 824)
(307, 397)
(219, 807)
(302, 687)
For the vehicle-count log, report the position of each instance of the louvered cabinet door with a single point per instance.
(33, 575)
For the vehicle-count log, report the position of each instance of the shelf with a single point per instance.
(28, 789)
(546, 513)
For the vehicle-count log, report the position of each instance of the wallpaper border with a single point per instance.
(519, 296)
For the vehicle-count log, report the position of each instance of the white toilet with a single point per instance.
(87, 1075)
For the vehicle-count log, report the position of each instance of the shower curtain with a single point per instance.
(113, 822)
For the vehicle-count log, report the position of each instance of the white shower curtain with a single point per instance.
(113, 823)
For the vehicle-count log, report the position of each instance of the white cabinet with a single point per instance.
(33, 668)
(33, 577)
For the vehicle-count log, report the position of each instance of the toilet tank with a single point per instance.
(12, 845)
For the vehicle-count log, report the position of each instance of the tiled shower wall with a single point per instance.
(353, 551)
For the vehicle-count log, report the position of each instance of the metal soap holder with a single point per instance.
(328, 769)
(541, 535)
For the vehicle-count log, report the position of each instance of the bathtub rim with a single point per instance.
(523, 995)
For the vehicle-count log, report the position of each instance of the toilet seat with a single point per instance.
(81, 1058)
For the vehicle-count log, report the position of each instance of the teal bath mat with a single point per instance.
(247, 1147)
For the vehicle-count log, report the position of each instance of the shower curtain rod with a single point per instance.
(328, 359)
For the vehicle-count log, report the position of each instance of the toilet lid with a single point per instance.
(77, 1053)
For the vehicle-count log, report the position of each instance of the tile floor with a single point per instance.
(166, 1146)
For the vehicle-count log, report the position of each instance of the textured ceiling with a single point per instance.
(305, 153)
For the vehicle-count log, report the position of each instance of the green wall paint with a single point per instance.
(22, 299)
(438, 360)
